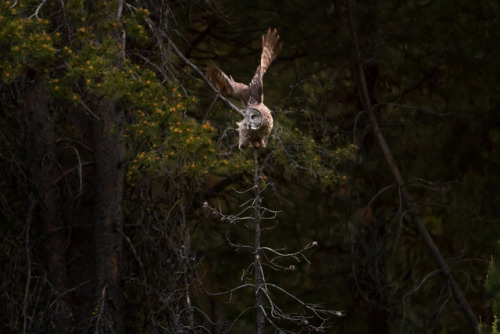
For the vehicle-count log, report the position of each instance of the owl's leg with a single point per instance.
(263, 143)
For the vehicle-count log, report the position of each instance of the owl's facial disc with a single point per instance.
(254, 118)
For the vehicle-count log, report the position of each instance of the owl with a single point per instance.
(257, 123)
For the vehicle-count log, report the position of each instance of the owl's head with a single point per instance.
(253, 118)
(255, 127)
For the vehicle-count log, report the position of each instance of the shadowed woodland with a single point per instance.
(127, 207)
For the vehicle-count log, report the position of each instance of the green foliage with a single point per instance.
(297, 153)
(167, 141)
(76, 10)
(136, 30)
(492, 286)
(26, 43)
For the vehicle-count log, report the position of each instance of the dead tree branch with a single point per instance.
(268, 311)
(260, 319)
(413, 207)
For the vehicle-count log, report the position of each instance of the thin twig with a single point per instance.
(38, 9)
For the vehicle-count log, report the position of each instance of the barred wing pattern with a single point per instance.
(271, 46)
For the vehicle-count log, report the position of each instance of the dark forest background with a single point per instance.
(126, 206)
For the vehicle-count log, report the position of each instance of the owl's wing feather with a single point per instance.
(271, 46)
(256, 86)
(226, 84)
(253, 93)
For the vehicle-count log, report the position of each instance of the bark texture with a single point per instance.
(44, 171)
(108, 225)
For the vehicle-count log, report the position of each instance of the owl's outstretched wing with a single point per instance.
(271, 46)
(226, 84)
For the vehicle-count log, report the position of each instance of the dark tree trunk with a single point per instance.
(108, 225)
(41, 157)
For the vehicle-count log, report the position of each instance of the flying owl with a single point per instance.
(257, 123)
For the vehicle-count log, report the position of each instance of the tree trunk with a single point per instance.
(44, 173)
(108, 225)
(109, 154)
(260, 319)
